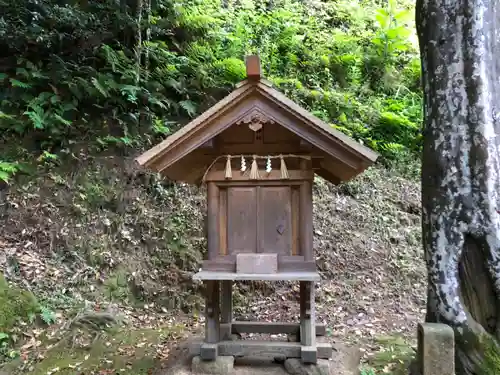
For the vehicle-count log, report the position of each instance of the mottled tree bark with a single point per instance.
(3, 199)
(138, 43)
(460, 53)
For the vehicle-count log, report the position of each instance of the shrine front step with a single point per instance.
(239, 327)
(253, 366)
(276, 349)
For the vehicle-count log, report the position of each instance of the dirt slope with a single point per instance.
(101, 232)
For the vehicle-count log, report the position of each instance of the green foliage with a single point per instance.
(5, 347)
(104, 356)
(17, 308)
(15, 304)
(491, 349)
(116, 286)
(7, 170)
(393, 357)
(84, 77)
(48, 316)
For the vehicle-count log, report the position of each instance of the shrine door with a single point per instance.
(262, 219)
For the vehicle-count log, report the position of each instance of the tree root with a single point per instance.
(97, 321)
(92, 321)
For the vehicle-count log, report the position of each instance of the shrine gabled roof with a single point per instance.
(257, 95)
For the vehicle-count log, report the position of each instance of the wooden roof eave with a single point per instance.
(350, 162)
(327, 175)
(348, 144)
(150, 157)
(360, 156)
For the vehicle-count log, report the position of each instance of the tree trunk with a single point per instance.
(148, 37)
(460, 53)
(4, 189)
(138, 45)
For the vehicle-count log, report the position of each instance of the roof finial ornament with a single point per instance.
(253, 67)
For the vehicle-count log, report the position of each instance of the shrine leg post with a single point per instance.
(307, 322)
(212, 326)
(226, 309)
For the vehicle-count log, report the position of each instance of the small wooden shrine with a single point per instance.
(257, 152)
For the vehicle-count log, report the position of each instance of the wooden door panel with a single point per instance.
(241, 220)
(275, 220)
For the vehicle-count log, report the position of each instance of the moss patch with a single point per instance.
(491, 352)
(124, 352)
(116, 287)
(394, 357)
(15, 304)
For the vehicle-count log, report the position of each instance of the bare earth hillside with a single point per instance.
(103, 236)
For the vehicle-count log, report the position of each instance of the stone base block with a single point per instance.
(295, 367)
(209, 352)
(220, 366)
(309, 354)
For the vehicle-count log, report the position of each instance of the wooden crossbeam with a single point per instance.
(271, 328)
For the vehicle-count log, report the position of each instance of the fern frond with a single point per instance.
(99, 87)
(189, 106)
(16, 83)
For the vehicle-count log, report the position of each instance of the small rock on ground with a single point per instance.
(295, 367)
(177, 370)
(258, 366)
(223, 365)
(246, 366)
(345, 360)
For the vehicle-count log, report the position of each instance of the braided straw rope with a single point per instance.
(254, 174)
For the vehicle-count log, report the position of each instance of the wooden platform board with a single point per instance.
(244, 348)
(240, 327)
(280, 276)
